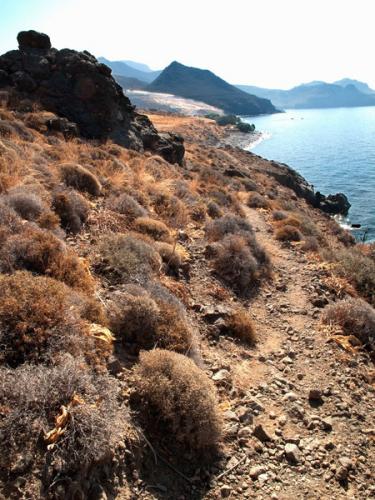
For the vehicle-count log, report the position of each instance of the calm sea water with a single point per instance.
(334, 149)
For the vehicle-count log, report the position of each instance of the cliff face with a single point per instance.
(76, 86)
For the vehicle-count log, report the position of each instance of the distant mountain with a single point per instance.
(361, 86)
(138, 65)
(122, 69)
(129, 83)
(315, 95)
(203, 85)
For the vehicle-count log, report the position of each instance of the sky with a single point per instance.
(268, 43)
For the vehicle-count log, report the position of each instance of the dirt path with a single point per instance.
(296, 446)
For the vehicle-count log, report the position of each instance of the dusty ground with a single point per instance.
(298, 407)
(299, 419)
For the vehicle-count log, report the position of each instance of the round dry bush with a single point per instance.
(40, 252)
(256, 200)
(355, 317)
(126, 205)
(278, 215)
(240, 326)
(141, 322)
(359, 269)
(288, 233)
(235, 264)
(78, 177)
(154, 228)
(249, 185)
(27, 205)
(170, 256)
(72, 208)
(127, 259)
(178, 400)
(78, 404)
(38, 323)
(311, 244)
(214, 210)
(171, 209)
(229, 224)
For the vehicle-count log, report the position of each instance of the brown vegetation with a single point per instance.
(72, 208)
(355, 317)
(288, 233)
(256, 200)
(154, 228)
(240, 326)
(178, 400)
(80, 178)
(38, 323)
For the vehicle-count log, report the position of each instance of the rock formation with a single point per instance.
(76, 86)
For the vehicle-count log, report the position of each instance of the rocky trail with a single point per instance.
(298, 408)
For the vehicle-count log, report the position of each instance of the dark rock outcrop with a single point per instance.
(74, 85)
(332, 204)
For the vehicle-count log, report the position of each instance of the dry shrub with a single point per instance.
(301, 222)
(229, 224)
(141, 321)
(256, 200)
(154, 228)
(10, 222)
(170, 256)
(198, 212)
(249, 185)
(235, 263)
(80, 178)
(73, 210)
(310, 244)
(355, 317)
(240, 325)
(28, 205)
(278, 215)
(125, 258)
(170, 208)
(288, 233)
(38, 322)
(31, 399)
(40, 252)
(126, 205)
(214, 210)
(359, 270)
(178, 400)
(49, 220)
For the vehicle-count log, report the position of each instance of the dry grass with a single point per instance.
(240, 326)
(126, 205)
(63, 406)
(229, 224)
(235, 264)
(38, 323)
(78, 177)
(178, 400)
(256, 200)
(40, 252)
(145, 321)
(170, 209)
(72, 208)
(126, 259)
(359, 270)
(355, 317)
(288, 233)
(170, 256)
(28, 205)
(153, 228)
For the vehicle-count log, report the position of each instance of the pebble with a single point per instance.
(256, 471)
(292, 453)
(220, 375)
(261, 433)
(225, 491)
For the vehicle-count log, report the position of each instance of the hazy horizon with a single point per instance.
(269, 44)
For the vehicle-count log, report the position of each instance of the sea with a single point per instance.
(334, 149)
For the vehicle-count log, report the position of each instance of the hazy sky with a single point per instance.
(270, 43)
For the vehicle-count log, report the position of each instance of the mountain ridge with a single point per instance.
(343, 93)
(203, 85)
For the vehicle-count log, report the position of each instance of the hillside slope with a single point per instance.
(195, 331)
(203, 85)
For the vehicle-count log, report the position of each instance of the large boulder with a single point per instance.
(74, 85)
(33, 40)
